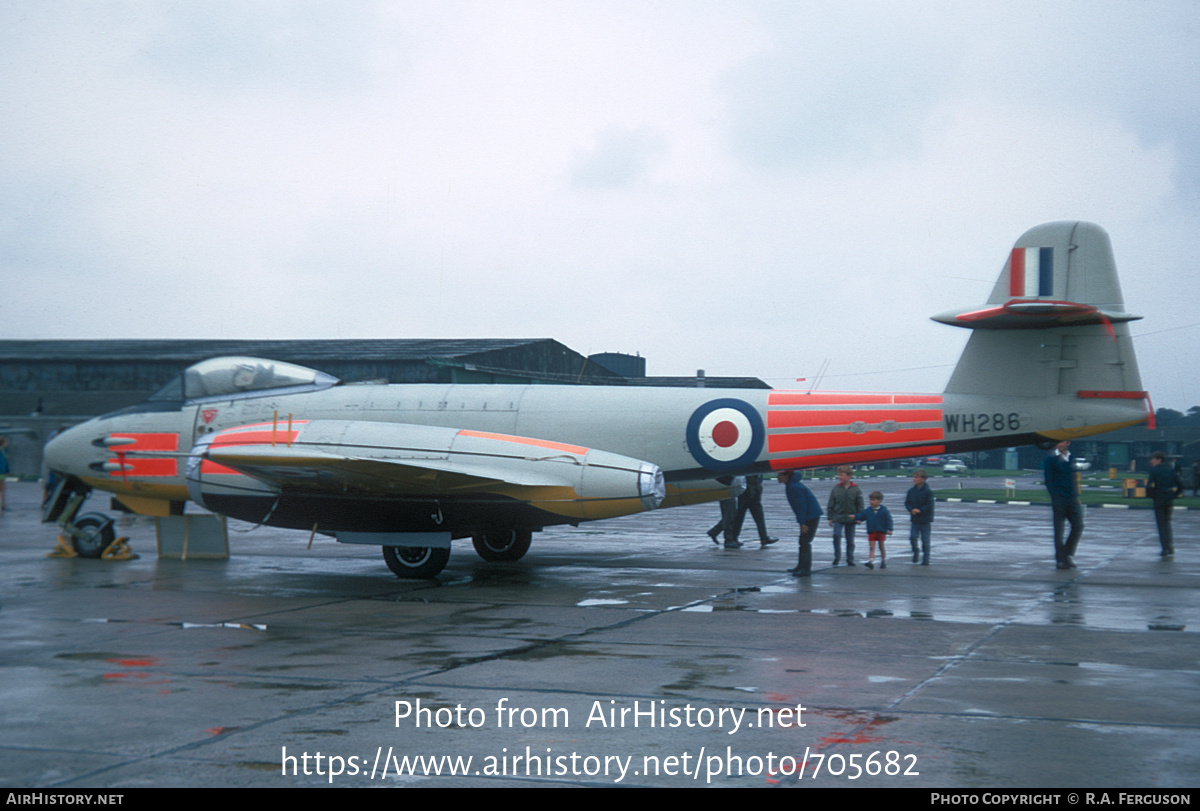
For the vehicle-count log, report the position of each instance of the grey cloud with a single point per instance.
(313, 45)
(837, 85)
(620, 157)
(864, 81)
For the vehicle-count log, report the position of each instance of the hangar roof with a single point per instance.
(188, 350)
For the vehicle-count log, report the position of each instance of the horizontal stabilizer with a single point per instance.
(1032, 314)
(1060, 274)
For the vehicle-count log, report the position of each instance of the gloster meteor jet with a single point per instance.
(411, 468)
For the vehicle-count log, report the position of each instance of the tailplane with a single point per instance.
(1054, 332)
(1055, 323)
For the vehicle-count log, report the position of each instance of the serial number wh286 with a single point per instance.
(982, 423)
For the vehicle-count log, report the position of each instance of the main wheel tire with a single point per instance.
(509, 545)
(92, 534)
(415, 562)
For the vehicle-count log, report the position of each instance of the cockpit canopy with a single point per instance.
(236, 377)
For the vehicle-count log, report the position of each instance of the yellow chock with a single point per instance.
(119, 550)
(63, 549)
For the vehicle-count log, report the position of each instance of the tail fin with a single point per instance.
(1055, 323)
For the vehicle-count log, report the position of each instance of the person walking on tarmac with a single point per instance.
(1059, 473)
(751, 500)
(919, 503)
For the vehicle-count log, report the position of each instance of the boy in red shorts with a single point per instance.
(879, 526)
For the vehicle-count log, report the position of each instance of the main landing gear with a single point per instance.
(503, 545)
(424, 562)
(415, 562)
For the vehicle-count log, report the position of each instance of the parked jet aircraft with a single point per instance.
(412, 467)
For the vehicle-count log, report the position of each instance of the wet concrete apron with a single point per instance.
(627, 652)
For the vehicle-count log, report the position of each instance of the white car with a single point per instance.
(955, 466)
(1081, 463)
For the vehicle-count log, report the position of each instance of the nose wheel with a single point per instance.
(91, 534)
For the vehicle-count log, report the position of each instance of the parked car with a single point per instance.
(1081, 463)
(955, 466)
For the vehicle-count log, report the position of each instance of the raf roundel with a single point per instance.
(725, 434)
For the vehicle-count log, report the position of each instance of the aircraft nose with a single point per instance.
(72, 451)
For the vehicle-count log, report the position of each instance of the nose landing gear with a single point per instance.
(91, 535)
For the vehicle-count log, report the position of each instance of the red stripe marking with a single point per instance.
(208, 466)
(147, 467)
(151, 442)
(784, 443)
(777, 418)
(1053, 309)
(853, 456)
(1114, 395)
(979, 315)
(524, 440)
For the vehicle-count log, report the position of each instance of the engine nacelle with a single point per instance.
(400, 470)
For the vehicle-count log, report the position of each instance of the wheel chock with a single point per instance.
(63, 549)
(119, 550)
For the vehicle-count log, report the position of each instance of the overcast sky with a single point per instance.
(751, 188)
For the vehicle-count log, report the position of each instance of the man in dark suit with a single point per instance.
(1163, 487)
(1059, 473)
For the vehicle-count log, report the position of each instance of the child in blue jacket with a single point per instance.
(879, 526)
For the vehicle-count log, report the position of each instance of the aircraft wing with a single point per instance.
(314, 469)
(379, 460)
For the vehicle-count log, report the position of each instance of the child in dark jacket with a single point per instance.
(879, 526)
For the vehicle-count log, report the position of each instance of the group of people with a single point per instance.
(845, 510)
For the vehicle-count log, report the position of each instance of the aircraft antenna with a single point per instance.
(820, 373)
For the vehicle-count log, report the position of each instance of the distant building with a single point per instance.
(620, 364)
